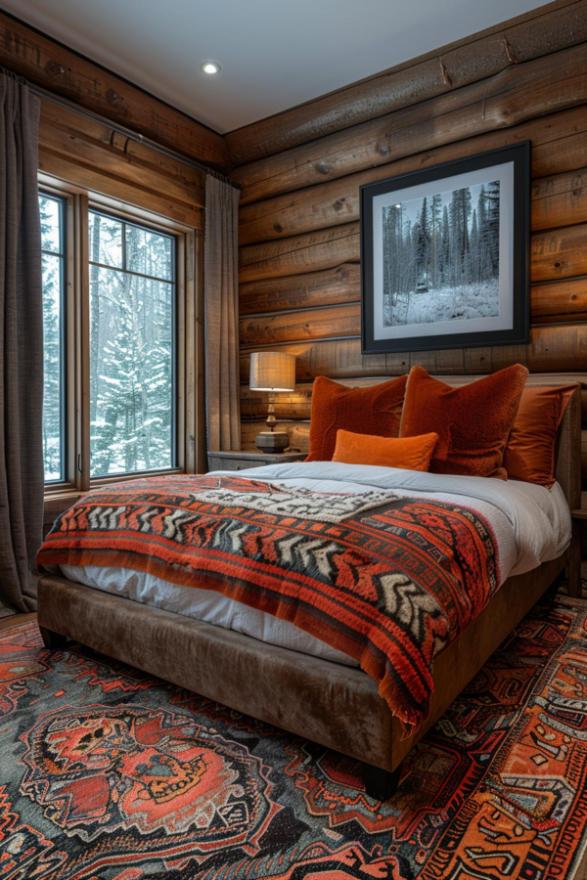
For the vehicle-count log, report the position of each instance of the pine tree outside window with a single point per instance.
(52, 244)
(132, 347)
(120, 306)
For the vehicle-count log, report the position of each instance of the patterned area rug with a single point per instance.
(107, 773)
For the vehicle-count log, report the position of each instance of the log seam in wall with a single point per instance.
(53, 66)
(531, 90)
(538, 32)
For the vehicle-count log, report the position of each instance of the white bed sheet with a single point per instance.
(531, 524)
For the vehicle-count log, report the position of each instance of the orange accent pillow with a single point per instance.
(373, 410)
(412, 453)
(531, 449)
(473, 422)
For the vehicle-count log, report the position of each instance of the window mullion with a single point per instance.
(70, 337)
(83, 340)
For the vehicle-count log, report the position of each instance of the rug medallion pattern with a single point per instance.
(107, 773)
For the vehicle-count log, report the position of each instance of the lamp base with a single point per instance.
(272, 441)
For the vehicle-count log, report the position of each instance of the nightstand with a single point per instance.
(238, 460)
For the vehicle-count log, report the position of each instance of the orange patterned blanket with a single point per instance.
(389, 581)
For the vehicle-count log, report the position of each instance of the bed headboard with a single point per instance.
(568, 457)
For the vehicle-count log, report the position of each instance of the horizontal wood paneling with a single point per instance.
(560, 348)
(329, 287)
(559, 144)
(550, 303)
(344, 320)
(556, 253)
(60, 70)
(559, 253)
(560, 301)
(515, 95)
(539, 32)
(560, 200)
(303, 253)
(299, 233)
(88, 153)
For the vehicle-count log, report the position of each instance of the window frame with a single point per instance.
(76, 368)
(178, 347)
(65, 333)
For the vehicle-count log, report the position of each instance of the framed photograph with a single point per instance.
(445, 253)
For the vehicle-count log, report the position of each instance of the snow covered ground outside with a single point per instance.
(444, 304)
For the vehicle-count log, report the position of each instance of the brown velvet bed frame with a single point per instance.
(333, 705)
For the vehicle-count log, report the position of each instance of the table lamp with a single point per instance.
(274, 372)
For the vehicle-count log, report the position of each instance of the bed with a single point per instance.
(296, 687)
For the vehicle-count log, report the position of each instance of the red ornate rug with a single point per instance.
(108, 773)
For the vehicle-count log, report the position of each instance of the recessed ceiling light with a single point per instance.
(211, 68)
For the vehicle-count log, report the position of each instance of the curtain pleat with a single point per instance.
(21, 346)
(221, 315)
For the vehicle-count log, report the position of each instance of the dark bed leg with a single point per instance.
(52, 640)
(380, 784)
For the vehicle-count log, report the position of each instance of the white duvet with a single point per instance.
(531, 524)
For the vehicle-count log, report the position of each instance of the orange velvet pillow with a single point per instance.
(373, 410)
(412, 453)
(530, 453)
(473, 422)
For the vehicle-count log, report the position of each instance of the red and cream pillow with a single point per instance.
(473, 422)
(373, 410)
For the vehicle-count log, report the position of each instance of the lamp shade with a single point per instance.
(272, 371)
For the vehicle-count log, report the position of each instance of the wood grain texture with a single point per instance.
(560, 301)
(556, 253)
(559, 144)
(341, 320)
(560, 200)
(303, 253)
(541, 32)
(68, 132)
(89, 154)
(515, 95)
(549, 304)
(329, 287)
(299, 233)
(51, 65)
(559, 253)
(553, 348)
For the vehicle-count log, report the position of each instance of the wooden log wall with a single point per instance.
(53, 66)
(301, 171)
(90, 154)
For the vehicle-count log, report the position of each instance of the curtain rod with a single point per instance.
(127, 132)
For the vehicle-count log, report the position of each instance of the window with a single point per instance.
(132, 351)
(114, 302)
(52, 244)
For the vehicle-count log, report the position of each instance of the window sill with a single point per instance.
(59, 499)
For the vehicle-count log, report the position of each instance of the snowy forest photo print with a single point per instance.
(444, 255)
(441, 256)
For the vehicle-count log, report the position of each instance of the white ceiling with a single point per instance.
(274, 53)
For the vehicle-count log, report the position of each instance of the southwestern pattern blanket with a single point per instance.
(390, 581)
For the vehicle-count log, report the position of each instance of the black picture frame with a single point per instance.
(513, 229)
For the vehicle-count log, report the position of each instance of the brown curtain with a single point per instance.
(21, 346)
(221, 310)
